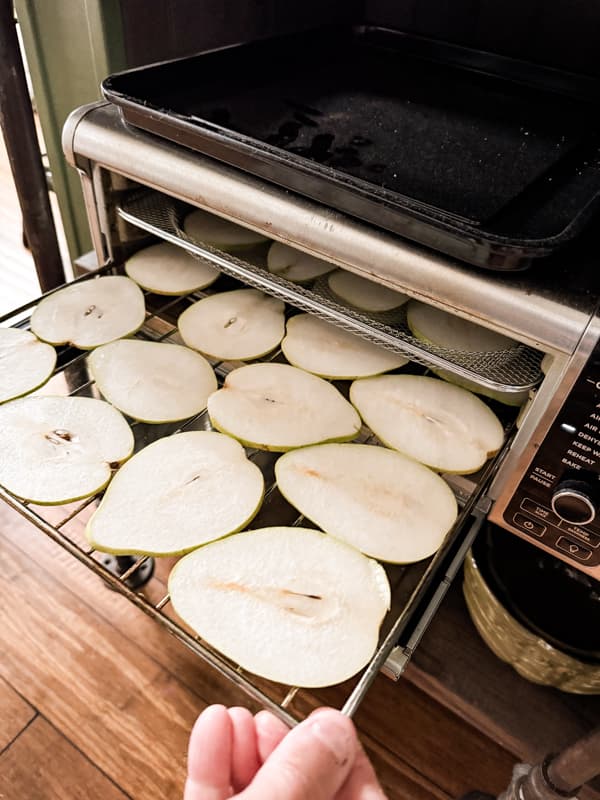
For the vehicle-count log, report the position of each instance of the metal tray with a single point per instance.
(417, 589)
(489, 159)
(514, 370)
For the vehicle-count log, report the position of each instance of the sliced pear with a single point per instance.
(438, 327)
(441, 425)
(25, 363)
(167, 269)
(176, 494)
(289, 604)
(90, 313)
(59, 449)
(294, 265)
(363, 293)
(237, 325)
(152, 381)
(381, 502)
(328, 351)
(546, 363)
(220, 233)
(278, 407)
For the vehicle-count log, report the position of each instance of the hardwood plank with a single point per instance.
(147, 635)
(400, 782)
(114, 703)
(143, 715)
(436, 743)
(15, 714)
(42, 765)
(401, 779)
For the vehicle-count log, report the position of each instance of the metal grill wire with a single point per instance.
(157, 328)
(72, 360)
(515, 369)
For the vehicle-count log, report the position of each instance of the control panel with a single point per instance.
(557, 502)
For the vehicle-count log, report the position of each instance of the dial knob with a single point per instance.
(575, 501)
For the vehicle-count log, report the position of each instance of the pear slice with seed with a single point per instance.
(210, 229)
(152, 381)
(59, 449)
(25, 363)
(167, 269)
(295, 265)
(381, 502)
(176, 494)
(231, 326)
(289, 604)
(278, 407)
(363, 293)
(90, 313)
(326, 350)
(441, 425)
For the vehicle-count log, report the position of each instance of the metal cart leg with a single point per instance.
(557, 777)
(134, 571)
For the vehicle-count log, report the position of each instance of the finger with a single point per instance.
(244, 762)
(209, 756)
(269, 733)
(311, 763)
(362, 783)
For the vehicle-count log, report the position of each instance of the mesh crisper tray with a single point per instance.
(514, 370)
(417, 589)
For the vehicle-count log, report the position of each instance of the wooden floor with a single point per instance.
(96, 701)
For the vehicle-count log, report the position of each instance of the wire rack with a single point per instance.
(513, 370)
(417, 589)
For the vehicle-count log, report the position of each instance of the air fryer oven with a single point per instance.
(543, 485)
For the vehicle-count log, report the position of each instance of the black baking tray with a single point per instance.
(488, 159)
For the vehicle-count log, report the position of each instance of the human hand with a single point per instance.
(235, 755)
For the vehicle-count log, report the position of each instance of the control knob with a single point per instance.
(576, 501)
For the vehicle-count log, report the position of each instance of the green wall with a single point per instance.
(70, 46)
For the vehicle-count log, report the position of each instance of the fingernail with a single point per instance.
(335, 732)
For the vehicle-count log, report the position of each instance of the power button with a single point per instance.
(529, 525)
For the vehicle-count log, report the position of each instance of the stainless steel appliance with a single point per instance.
(544, 485)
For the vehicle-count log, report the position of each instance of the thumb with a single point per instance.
(311, 763)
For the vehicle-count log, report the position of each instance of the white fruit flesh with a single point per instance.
(237, 325)
(381, 502)
(90, 313)
(25, 363)
(438, 327)
(152, 381)
(176, 494)
(290, 604)
(447, 330)
(546, 363)
(439, 424)
(328, 351)
(207, 228)
(278, 407)
(59, 449)
(363, 293)
(294, 265)
(167, 269)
